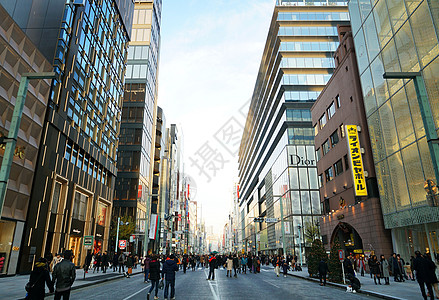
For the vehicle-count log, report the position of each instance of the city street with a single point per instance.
(193, 285)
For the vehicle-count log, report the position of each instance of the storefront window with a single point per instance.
(6, 236)
(80, 206)
(102, 213)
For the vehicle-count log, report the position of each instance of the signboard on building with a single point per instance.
(341, 255)
(153, 226)
(122, 244)
(88, 241)
(356, 160)
(271, 220)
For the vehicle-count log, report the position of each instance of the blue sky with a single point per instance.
(210, 56)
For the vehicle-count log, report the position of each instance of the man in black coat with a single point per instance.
(104, 263)
(323, 271)
(425, 274)
(168, 272)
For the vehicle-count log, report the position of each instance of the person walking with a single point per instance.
(104, 262)
(425, 274)
(97, 262)
(323, 271)
(146, 267)
(394, 267)
(130, 264)
(229, 266)
(277, 266)
(250, 263)
(244, 264)
(57, 259)
(285, 267)
(154, 276)
(235, 265)
(63, 276)
(168, 273)
(121, 262)
(374, 266)
(115, 261)
(384, 268)
(213, 264)
(87, 263)
(39, 277)
(348, 267)
(185, 262)
(361, 265)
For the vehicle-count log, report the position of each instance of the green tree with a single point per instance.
(316, 254)
(334, 265)
(125, 230)
(311, 232)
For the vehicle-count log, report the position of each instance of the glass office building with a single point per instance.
(137, 135)
(72, 193)
(277, 167)
(401, 36)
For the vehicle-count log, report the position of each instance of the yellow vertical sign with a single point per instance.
(356, 160)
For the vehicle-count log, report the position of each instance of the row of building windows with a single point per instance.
(306, 79)
(141, 35)
(299, 115)
(312, 16)
(309, 46)
(83, 161)
(307, 62)
(142, 16)
(301, 95)
(334, 171)
(330, 143)
(308, 31)
(301, 136)
(330, 112)
(138, 52)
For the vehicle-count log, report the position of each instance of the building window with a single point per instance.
(56, 197)
(325, 147)
(322, 121)
(68, 152)
(341, 131)
(338, 168)
(80, 206)
(318, 154)
(331, 110)
(346, 162)
(334, 138)
(320, 180)
(329, 174)
(316, 130)
(337, 101)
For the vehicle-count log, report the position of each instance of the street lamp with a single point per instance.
(11, 140)
(300, 244)
(427, 115)
(117, 232)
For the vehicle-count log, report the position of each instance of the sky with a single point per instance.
(210, 54)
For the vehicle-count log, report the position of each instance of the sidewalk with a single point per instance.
(13, 287)
(395, 291)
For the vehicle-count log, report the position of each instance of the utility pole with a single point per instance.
(117, 235)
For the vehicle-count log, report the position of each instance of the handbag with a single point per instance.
(161, 284)
(28, 287)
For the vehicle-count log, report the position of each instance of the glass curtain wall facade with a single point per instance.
(400, 36)
(296, 65)
(137, 136)
(76, 169)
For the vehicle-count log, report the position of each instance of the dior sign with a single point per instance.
(296, 160)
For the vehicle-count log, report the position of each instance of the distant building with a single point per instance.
(355, 221)
(134, 191)
(277, 165)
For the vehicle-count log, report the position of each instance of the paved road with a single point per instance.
(193, 285)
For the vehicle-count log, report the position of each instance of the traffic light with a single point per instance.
(258, 220)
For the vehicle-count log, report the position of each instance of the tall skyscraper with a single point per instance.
(277, 166)
(72, 192)
(401, 36)
(134, 186)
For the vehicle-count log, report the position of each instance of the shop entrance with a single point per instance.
(75, 246)
(348, 238)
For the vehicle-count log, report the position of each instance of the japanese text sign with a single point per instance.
(356, 160)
